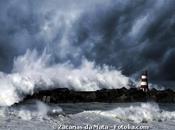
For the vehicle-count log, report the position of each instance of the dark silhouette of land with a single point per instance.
(64, 95)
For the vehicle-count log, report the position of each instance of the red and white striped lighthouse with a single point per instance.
(144, 82)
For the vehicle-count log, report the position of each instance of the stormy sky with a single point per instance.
(130, 35)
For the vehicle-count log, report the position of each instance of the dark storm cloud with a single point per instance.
(134, 37)
(130, 35)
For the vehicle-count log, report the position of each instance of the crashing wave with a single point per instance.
(146, 112)
(31, 72)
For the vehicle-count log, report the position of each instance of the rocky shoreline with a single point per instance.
(64, 95)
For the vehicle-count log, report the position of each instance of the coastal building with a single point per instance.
(144, 82)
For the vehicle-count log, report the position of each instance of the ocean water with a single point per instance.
(36, 115)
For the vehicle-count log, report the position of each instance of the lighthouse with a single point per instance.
(144, 82)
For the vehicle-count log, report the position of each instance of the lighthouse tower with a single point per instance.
(144, 82)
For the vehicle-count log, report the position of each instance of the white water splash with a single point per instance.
(31, 72)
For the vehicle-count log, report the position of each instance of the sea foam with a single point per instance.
(146, 112)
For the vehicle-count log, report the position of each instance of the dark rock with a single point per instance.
(104, 95)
